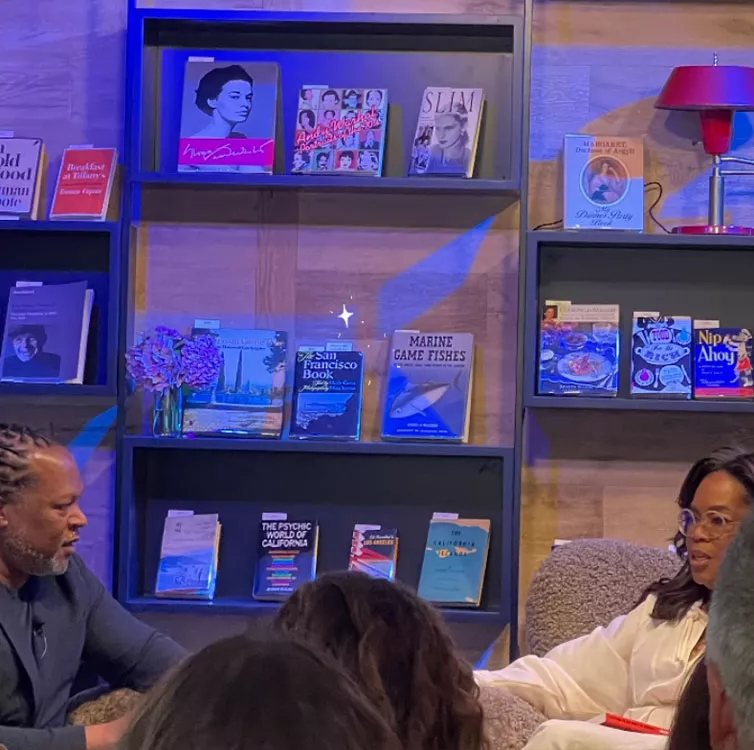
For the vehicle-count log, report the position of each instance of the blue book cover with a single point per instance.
(327, 395)
(603, 182)
(249, 395)
(722, 363)
(429, 386)
(579, 348)
(455, 560)
(286, 558)
(661, 355)
(374, 551)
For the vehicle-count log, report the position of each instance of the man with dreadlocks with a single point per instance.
(54, 612)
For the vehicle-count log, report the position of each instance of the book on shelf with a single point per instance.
(249, 395)
(603, 182)
(327, 393)
(22, 162)
(340, 131)
(46, 333)
(429, 386)
(374, 550)
(447, 132)
(85, 183)
(286, 557)
(661, 355)
(188, 556)
(579, 349)
(722, 363)
(455, 561)
(228, 116)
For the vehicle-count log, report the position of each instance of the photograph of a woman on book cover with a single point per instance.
(25, 357)
(225, 94)
(450, 152)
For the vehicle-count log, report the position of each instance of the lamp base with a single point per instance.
(702, 229)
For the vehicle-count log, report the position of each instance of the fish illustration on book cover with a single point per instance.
(429, 386)
(661, 355)
(722, 363)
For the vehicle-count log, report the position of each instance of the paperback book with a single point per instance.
(722, 363)
(661, 355)
(429, 386)
(374, 551)
(603, 182)
(447, 132)
(85, 182)
(340, 131)
(327, 395)
(21, 169)
(228, 116)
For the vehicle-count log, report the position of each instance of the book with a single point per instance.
(447, 132)
(188, 556)
(327, 394)
(249, 395)
(85, 182)
(228, 116)
(46, 333)
(661, 355)
(579, 349)
(614, 721)
(340, 131)
(286, 558)
(21, 169)
(722, 363)
(603, 186)
(455, 560)
(374, 551)
(429, 386)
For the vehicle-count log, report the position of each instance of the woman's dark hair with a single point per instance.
(309, 116)
(344, 154)
(399, 651)
(17, 444)
(675, 596)
(246, 694)
(690, 729)
(212, 84)
(331, 92)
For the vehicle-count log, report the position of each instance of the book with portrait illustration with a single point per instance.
(374, 551)
(661, 355)
(247, 398)
(603, 182)
(46, 333)
(722, 363)
(85, 182)
(447, 132)
(340, 131)
(578, 350)
(455, 560)
(22, 162)
(228, 116)
(327, 394)
(429, 386)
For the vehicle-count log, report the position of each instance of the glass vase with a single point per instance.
(168, 413)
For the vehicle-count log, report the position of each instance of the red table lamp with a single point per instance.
(717, 92)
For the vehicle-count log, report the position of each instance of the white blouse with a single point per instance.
(635, 667)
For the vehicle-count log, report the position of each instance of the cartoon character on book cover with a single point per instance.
(722, 363)
(228, 117)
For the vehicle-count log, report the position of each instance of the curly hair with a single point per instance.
(398, 649)
(17, 444)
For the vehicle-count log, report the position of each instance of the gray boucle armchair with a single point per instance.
(606, 578)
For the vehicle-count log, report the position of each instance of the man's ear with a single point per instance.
(722, 725)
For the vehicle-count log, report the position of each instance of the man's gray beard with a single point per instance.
(19, 554)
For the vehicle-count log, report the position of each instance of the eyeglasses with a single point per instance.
(715, 525)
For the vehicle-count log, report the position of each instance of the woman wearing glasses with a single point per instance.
(638, 665)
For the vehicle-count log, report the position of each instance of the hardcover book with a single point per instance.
(374, 551)
(21, 168)
(447, 132)
(340, 131)
(603, 182)
(85, 182)
(722, 363)
(327, 395)
(286, 558)
(188, 557)
(429, 386)
(455, 560)
(661, 355)
(46, 333)
(579, 348)
(228, 116)
(248, 397)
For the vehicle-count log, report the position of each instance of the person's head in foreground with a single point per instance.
(397, 648)
(245, 693)
(40, 517)
(730, 648)
(715, 497)
(690, 729)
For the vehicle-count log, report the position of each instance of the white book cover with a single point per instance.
(21, 160)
